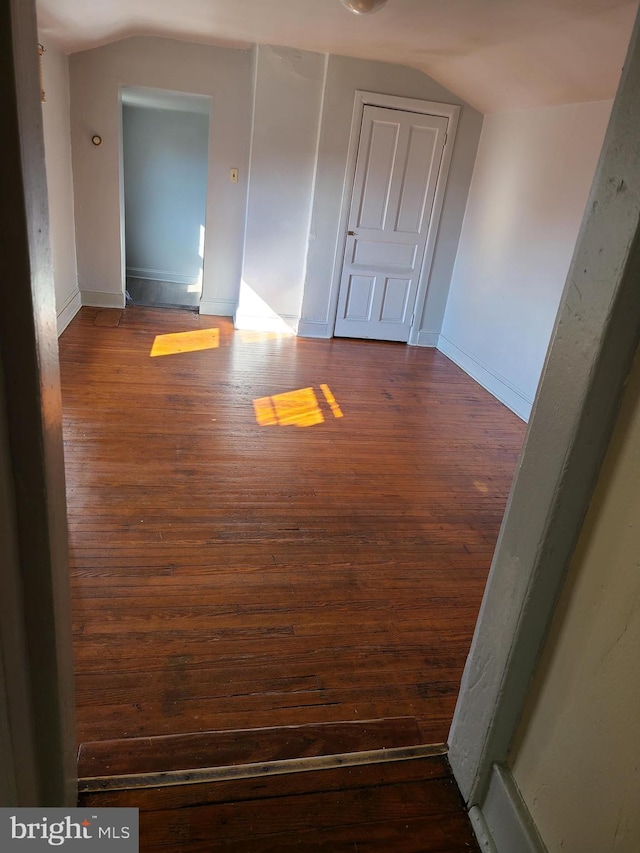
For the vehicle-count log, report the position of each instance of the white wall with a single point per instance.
(576, 758)
(96, 77)
(326, 243)
(165, 190)
(287, 106)
(295, 108)
(530, 185)
(57, 144)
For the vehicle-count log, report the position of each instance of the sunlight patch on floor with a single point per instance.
(331, 400)
(200, 339)
(299, 408)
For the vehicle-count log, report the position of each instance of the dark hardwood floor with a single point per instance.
(243, 556)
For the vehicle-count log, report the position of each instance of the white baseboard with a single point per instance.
(68, 311)
(495, 384)
(102, 299)
(503, 823)
(218, 307)
(161, 275)
(427, 339)
(313, 329)
(285, 323)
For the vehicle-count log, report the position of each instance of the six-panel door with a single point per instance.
(397, 169)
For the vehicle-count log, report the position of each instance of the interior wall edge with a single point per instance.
(503, 390)
(427, 338)
(503, 823)
(314, 329)
(218, 307)
(102, 299)
(68, 311)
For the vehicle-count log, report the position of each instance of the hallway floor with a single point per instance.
(404, 807)
(163, 294)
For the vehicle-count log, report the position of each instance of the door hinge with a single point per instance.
(412, 319)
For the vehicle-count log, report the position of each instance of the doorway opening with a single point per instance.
(165, 142)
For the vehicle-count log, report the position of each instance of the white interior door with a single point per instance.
(397, 170)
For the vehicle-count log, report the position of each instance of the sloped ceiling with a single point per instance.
(496, 54)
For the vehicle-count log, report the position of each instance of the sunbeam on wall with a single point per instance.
(299, 408)
(254, 314)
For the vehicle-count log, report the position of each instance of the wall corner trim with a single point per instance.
(218, 307)
(279, 323)
(426, 338)
(503, 824)
(102, 299)
(491, 381)
(314, 329)
(481, 830)
(68, 311)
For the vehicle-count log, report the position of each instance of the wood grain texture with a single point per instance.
(228, 575)
(405, 807)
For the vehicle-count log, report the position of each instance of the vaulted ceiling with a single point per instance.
(496, 54)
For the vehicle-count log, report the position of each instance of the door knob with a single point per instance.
(351, 234)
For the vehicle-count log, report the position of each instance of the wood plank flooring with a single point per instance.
(326, 565)
(407, 807)
(168, 753)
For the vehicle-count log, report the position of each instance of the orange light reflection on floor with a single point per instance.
(294, 408)
(299, 408)
(200, 339)
(331, 400)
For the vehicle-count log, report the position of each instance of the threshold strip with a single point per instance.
(232, 772)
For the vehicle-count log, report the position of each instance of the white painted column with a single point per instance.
(288, 90)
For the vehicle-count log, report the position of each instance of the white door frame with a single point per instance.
(596, 336)
(37, 738)
(413, 105)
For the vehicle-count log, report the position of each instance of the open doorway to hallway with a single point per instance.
(165, 142)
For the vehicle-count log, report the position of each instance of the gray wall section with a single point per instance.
(57, 146)
(594, 340)
(297, 175)
(530, 185)
(286, 114)
(165, 190)
(96, 78)
(37, 740)
(344, 77)
(581, 717)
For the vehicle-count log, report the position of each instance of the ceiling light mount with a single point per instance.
(363, 7)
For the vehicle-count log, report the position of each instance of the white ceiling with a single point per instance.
(496, 54)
